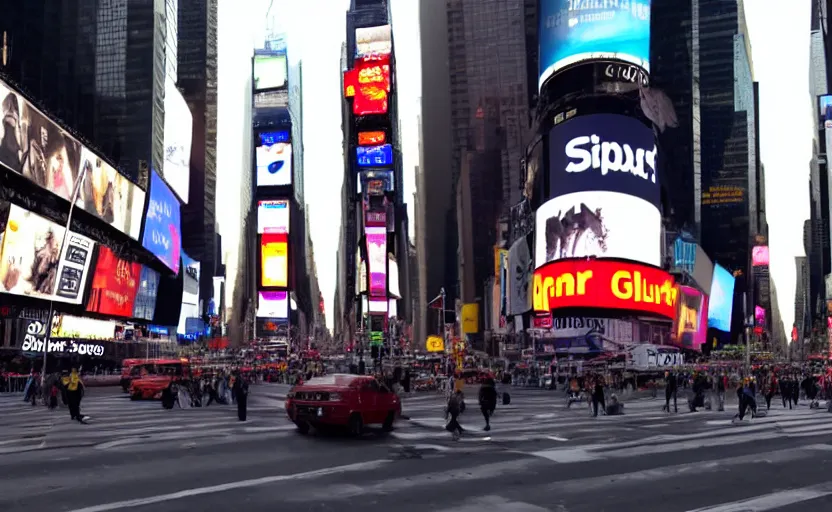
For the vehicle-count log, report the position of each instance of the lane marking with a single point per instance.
(773, 501)
(242, 484)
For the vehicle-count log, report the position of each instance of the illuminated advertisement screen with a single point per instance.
(573, 31)
(602, 224)
(377, 260)
(373, 42)
(373, 138)
(372, 85)
(374, 156)
(604, 152)
(145, 304)
(162, 233)
(178, 136)
(273, 159)
(721, 301)
(38, 149)
(377, 306)
(759, 256)
(825, 111)
(375, 182)
(115, 284)
(690, 328)
(270, 71)
(273, 216)
(274, 261)
(759, 316)
(33, 264)
(604, 284)
(273, 305)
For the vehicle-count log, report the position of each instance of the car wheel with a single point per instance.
(388, 421)
(135, 396)
(356, 424)
(303, 427)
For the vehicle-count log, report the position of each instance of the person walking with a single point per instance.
(670, 390)
(75, 392)
(240, 390)
(488, 401)
(454, 409)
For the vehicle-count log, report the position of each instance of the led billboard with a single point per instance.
(373, 138)
(162, 232)
(604, 284)
(273, 216)
(178, 136)
(270, 71)
(274, 261)
(604, 152)
(377, 260)
(372, 85)
(273, 159)
(115, 284)
(273, 305)
(573, 31)
(33, 264)
(721, 301)
(374, 156)
(372, 42)
(759, 256)
(602, 224)
(690, 328)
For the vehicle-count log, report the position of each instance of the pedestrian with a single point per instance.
(75, 392)
(670, 390)
(453, 410)
(721, 386)
(488, 401)
(598, 397)
(786, 391)
(53, 396)
(241, 392)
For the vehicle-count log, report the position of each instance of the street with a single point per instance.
(539, 456)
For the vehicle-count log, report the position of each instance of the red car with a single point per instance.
(351, 401)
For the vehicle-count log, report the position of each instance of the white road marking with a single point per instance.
(556, 438)
(199, 491)
(773, 501)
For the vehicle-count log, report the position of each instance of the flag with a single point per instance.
(437, 302)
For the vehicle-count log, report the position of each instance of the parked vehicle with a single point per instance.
(342, 400)
(151, 377)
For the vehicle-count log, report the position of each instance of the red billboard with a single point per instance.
(604, 284)
(371, 87)
(114, 285)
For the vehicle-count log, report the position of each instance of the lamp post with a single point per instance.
(48, 335)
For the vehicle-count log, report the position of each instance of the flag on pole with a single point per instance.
(437, 303)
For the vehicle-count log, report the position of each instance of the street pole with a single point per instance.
(747, 331)
(48, 335)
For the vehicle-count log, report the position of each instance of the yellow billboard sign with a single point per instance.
(435, 344)
(470, 318)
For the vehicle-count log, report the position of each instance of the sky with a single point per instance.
(315, 34)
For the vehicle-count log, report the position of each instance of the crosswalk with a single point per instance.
(539, 423)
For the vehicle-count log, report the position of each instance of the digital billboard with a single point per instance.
(162, 231)
(374, 156)
(604, 152)
(573, 31)
(759, 316)
(145, 303)
(274, 261)
(270, 71)
(178, 137)
(33, 263)
(602, 224)
(372, 85)
(273, 159)
(371, 42)
(273, 216)
(373, 138)
(759, 256)
(115, 284)
(375, 182)
(54, 160)
(273, 305)
(690, 328)
(604, 284)
(377, 260)
(721, 300)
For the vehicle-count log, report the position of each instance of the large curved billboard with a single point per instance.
(604, 284)
(573, 31)
(604, 192)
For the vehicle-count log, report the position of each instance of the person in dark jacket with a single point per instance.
(241, 392)
(454, 409)
(598, 397)
(168, 397)
(671, 387)
(488, 401)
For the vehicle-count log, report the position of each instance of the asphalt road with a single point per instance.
(539, 456)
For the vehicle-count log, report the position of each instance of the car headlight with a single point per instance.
(290, 395)
(335, 397)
